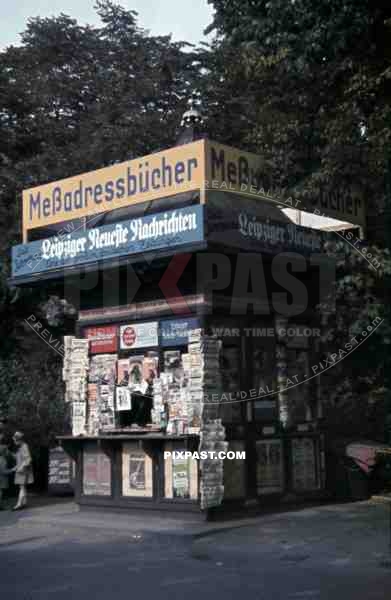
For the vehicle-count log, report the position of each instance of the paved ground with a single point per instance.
(332, 552)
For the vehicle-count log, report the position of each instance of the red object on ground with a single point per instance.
(364, 453)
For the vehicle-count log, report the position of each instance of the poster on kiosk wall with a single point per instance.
(102, 339)
(139, 335)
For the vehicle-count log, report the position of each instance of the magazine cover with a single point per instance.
(150, 367)
(102, 369)
(106, 407)
(137, 471)
(173, 364)
(181, 477)
(136, 372)
(123, 370)
(123, 398)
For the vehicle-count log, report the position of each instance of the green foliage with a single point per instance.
(307, 86)
(353, 390)
(31, 394)
(72, 98)
(310, 85)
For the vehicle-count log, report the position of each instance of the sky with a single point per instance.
(185, 19)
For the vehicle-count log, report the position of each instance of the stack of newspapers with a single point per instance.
(102, 407)
(92, 409)
(205, 376)
(75, 377)
(205, 394)
(212, 440)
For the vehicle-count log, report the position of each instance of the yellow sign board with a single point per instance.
(154, 176)
(229, 169)
(200, 165)
(233, 169)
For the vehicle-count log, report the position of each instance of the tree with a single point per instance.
(307, 86)
(73, 98)
(357, 331)
(311, 83)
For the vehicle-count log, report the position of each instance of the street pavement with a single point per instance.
(337, 552)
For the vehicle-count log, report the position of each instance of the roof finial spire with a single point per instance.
(192, 115)
(192, 121)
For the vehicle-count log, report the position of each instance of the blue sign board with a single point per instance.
(175, 332)
(242, 228)
(152, 232)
